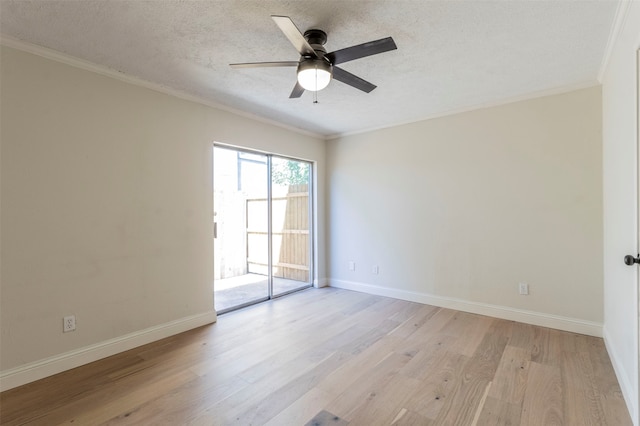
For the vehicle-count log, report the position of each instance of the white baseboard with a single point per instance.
(623, 379)
(321, 282)
(37, 370)
(528, 317)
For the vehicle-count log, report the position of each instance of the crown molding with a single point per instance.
(520, 98)
(622, 12)
(66, 59)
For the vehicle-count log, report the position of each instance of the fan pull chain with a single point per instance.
(315, 92)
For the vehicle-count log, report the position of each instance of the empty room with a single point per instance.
(319, 212)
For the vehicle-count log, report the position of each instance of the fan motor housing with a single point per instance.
(316, 39)
(314, 36)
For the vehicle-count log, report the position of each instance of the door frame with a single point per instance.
(637, 118)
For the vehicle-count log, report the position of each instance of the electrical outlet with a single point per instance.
(352, 265)
(524, 288)
(375, 270)
(69, 323)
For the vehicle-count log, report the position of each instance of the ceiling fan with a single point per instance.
(316, 67)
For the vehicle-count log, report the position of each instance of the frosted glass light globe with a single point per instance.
(314, 75)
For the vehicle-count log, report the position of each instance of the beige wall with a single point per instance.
(463, 208)
(107, 205)
(620, 150)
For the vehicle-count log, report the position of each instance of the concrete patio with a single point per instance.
(236, 291)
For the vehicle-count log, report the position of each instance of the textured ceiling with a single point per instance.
(451, 55)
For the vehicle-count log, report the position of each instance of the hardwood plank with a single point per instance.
(259, 410)
(94, 409)
(465, 400)
(470, 329)
(490, 350)
(496, 412)
(409, 418)
(542, 403)
(325, 418)
(533, 339)
(415, 321)
(180, 404)
(383, 404)
(426, 355)
(280, 386)
(481, 405)
(582, 403)
(368, 388)
(410, 311)
(434, 393)
(358, 366)
(476, 375)
(433, 325)
(555, 345)
(308, 406)
(510, 380)
(367, 339)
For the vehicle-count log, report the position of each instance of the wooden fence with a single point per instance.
(290, 229)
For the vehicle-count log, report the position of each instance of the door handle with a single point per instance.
(630, 260)
(215, 230)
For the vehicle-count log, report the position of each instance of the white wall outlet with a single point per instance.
(524, 288)
(352, 265)
(375, 270)
(69, 323)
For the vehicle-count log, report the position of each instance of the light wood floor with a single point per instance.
(337, 357)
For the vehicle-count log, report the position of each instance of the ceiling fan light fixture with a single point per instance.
(314, 74)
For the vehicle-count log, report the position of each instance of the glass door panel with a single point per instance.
(290, 225)
(241, 187)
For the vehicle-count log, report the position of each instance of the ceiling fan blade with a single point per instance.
(361, 50)
(294, 35)
(265, 64)
(352, 80)
(297, 91)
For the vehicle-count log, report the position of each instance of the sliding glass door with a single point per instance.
(262, 232)
(238, 178)
(290, 230)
